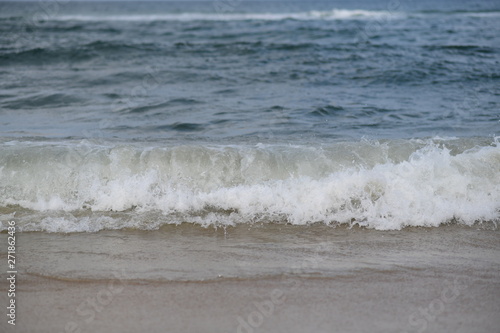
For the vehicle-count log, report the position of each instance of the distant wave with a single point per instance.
(382, 185)
(335, 14)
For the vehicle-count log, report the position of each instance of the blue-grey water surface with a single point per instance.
(383, 113)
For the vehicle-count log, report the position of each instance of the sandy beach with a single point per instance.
(436, 280)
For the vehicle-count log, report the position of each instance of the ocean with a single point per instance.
(250, 141)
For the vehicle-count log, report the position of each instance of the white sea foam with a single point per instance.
(384, 186)
(335, 14)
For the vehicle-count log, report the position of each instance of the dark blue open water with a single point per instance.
(122, 114)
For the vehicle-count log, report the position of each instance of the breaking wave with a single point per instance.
(84, 186)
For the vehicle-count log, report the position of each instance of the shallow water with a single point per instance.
(192, 253)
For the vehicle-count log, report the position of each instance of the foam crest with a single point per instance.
(381, 185)
(335, 14)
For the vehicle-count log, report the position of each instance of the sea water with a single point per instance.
(136, 115)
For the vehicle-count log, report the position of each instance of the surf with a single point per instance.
(380, 184)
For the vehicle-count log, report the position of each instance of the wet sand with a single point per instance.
(289, 279)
